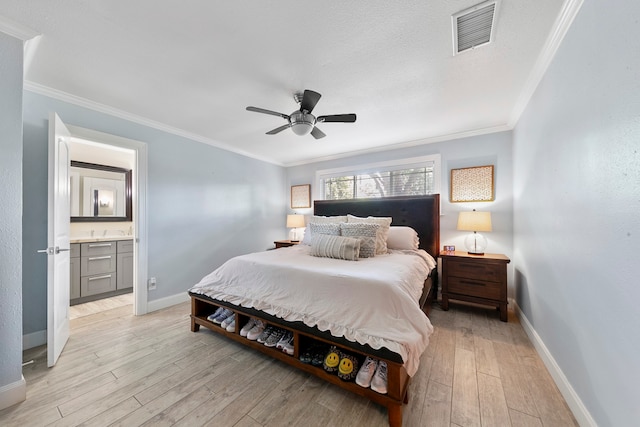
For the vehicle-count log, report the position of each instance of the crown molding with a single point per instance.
(567, 14)
(101, 108)
(16, 30)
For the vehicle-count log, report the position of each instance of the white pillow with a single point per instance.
(366, 232)
(308, 233)
(327, 246)
(383, 231)
(403, 238)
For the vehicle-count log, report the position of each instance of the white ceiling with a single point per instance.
(193, 67)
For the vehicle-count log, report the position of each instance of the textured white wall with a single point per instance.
(10, 212)
(576, 203)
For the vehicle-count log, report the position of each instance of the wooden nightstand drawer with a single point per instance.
(475, 288)
(473, 270)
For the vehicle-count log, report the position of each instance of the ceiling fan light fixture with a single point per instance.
(301, 123)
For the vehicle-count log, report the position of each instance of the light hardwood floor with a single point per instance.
(122, 370)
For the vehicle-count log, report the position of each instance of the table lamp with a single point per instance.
(295, 221)
(475, 221)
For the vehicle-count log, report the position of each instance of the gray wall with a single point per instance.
(10, 211)
(576, 204)
(204, 204)
(493, 149)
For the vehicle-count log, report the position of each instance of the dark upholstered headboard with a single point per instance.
(422, 213)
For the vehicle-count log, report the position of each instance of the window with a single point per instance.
(408, 177)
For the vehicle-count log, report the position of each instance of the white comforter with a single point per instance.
(370, 301)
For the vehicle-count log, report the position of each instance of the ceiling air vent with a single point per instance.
(473, 27)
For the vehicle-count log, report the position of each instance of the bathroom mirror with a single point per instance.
(99, 193)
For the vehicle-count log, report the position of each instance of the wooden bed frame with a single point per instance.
(420, 212)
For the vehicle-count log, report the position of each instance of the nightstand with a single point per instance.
(481, 279)
(284, 243)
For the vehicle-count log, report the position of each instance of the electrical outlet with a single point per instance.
(152, 284)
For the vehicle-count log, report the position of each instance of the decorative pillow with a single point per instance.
(324, 245)
(366, 232)
(383, 231)
(328, 228)
(403, 238)
(308, 234)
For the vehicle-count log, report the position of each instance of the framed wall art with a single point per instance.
(300, 196)
(473, 184)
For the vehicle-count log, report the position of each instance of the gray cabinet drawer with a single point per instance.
(98, 284)
(98, 248)
(100, 264)
(125, 246)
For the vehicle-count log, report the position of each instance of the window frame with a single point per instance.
(389, 165)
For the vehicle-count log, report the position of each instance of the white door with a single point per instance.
(58, 274)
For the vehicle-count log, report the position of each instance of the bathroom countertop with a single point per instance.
(99, 239)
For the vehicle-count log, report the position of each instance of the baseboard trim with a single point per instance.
(13, 393)
(578, 409)
(159, 304)
(34, 339)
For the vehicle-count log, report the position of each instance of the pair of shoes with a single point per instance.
(215, 314)
(365, 375)
(256, 330)
(348, 367)
(373, 374)
(314, 354)
(247, 327)
(286, 343)
(221, 316)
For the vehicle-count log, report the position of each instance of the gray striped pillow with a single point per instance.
(327, 246)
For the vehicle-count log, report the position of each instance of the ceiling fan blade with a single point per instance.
(262, 110)
(342, 118)
(317, 133)
(309, 100)
(280, 129)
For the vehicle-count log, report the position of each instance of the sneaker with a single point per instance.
(227, 321)
(266, 333)
(256, 330)
(231, 327)
(379, 381)
(223, 315)
(288, 347)
(246, 328)
(215, 314)
(331, 359)
(317, 355)
(275, 337)
(363, 379)
(348, 367)
(285, 338)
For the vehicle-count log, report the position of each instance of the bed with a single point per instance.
(392, 328)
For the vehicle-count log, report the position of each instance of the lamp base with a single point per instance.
(475, 243)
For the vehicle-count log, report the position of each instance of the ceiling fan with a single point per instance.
(301, 121)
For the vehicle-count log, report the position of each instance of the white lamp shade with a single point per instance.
(295, 221)
(474, 221)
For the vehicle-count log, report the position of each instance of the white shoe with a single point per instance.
(227, 321)
(246, 328)
(256, 331)
(379, 381)
(365, 374)
(223, 315)
(231, 327)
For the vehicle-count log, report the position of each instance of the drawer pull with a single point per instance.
(96, 258)
(468, 282)
(108, 276)
(100, 245)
